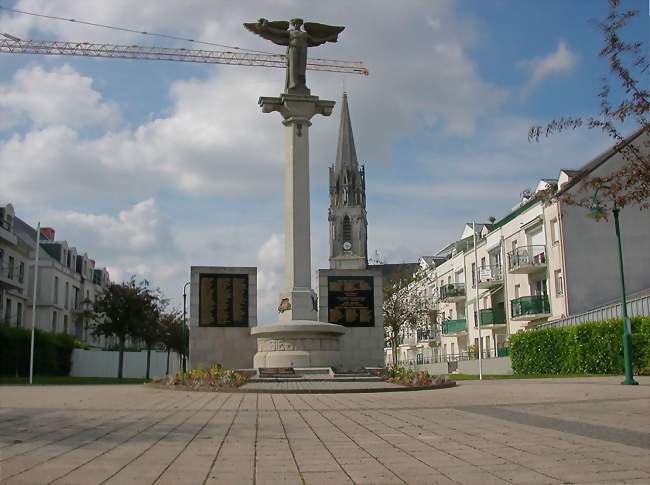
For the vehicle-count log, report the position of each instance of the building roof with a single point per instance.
(392, 271)
(588, 168)
(346, 153)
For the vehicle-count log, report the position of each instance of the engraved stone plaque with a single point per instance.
(223, 300)
(351, 300)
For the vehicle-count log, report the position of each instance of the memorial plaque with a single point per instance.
(351, 301)
(223, 300)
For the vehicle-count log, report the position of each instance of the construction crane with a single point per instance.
(13, 45)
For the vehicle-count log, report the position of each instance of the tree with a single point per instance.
(629, 185)
(173, 335)
(149, 329)
(121, 308)
(405, 306)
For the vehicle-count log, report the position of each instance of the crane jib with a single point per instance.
(12, 45)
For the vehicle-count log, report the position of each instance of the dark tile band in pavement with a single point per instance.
(605, 433)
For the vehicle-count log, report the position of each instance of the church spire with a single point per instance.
(346, 153)
(347, 212)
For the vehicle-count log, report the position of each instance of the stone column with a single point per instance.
(299, 301)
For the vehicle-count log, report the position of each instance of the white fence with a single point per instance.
(501, 366)
(104, 363)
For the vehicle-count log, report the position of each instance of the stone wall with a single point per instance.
(360, 346)
(232, 347)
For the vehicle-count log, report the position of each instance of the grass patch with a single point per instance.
(492, 377)
(68, 380)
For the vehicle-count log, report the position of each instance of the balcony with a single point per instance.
(530, 307)
(9, 278)
(490, 276)
(452, 292)
(493, 316)
(427, 335)
(527, 259)
(454, 327)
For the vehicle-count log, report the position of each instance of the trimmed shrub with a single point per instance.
(590, 348)
(52, 352)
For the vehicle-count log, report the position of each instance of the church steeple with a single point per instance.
(346, 153)
(347, 212)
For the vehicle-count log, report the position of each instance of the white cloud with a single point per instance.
(59, 96)
(561, 61)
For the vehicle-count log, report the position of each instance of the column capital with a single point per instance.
(300, 108)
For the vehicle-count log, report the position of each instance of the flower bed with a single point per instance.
(214, 379)
(411, 377)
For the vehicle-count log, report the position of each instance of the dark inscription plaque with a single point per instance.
(223, 300)
(351, 301)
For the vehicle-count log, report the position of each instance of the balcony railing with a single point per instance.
(452, 291)
(493, 316)
(450, 327)
(489, 276)
(527, 259)
(530, 306)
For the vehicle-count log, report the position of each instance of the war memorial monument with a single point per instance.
(340, 327)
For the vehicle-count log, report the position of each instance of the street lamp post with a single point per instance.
(598, 212)
(184, 357)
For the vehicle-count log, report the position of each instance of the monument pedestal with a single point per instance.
(298, 339)
(299, 343)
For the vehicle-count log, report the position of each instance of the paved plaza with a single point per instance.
(589, 430)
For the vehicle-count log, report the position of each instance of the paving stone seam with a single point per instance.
(284, 430)
(400, 449)
(223, 440)
(192, 438)
(557, 437)
(81, 430)
(321, 441)
(580, 428)
(34, 465)
(174, 428)
(108, 450)
(257, 426)
(322, 414)
(129, 423)
(479, 450)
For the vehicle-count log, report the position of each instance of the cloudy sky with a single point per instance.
(152, 167)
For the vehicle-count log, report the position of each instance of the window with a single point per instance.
(21, 272)
(473, 275)
(66, 302)
(554, 232)
(539, 288)
(514, 244)
(559, 282)
(56, 290)
(65, 324)
(54, 319)
(347, 229)
(517, 290)
(10, 269)
(485, 302)
(8, 312)
(19, 315)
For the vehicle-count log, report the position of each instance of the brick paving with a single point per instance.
(509, 431)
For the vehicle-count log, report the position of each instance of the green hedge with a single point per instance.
(52, 352)
(590, 348)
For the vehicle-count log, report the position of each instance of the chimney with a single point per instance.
(47, 233)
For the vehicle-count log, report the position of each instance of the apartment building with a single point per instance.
(68, 280)
(542, 261)
(14, 258)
